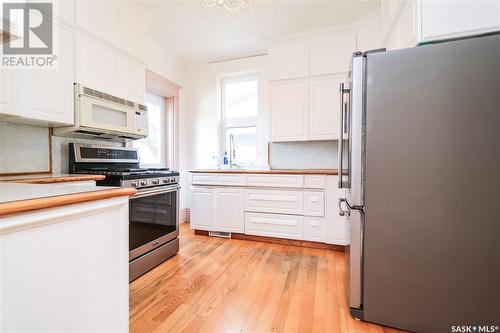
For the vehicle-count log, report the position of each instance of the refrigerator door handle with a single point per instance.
(343, 129)
(341, 136)
(343, 212)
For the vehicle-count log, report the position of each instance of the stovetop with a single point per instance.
(120, 165)
(129, 173)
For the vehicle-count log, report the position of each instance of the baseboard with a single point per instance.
(282, 241)
(185, 215)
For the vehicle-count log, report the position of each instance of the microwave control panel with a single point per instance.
(141, 122)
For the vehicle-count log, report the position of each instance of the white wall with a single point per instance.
(200, 114)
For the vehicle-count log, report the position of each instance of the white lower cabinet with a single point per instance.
(314, 229)
(335, 229)
(202, 208)
(314, 203)
(218, 209)
(304, 207)
(274, 225)
(229, 207)
(275, 201)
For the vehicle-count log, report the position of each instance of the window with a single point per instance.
(240, 110)
(152, 149)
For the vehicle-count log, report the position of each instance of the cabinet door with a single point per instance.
(274, 225)
(324, 108)
(446, 19)
(202, 208)
(95, 65)
(407, 27)
(274, 201)
(97, 17)
(229, 210)
(51, 90)
(288, 111)
(313, 229)
(288, 60)
(10, 98)
(369, 35)
(130, 80)
(314, 203)
(388, 15)
(332, 53)
(335, 226)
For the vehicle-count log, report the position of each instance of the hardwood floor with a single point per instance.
(229, 285)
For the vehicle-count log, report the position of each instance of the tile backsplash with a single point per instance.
(304, 155)
(25, 148)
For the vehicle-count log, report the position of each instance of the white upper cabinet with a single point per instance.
(131, 79)
(369, 35)
(97, 17)
(332, 53)
(447, 19)
(51, 90)
(41, 96)
(407, 26)
(121, 24)
(9, 95)
(101, 67)
(406, 23)
(289, 108)
(288, 60)
(324, 108)
(388, 16)
(95, 64)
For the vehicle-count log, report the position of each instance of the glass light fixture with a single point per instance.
(229, 5)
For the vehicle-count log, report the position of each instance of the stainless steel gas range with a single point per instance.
(153, 211)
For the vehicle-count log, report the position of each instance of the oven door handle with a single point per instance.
(153, 191)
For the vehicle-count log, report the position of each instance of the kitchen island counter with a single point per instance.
(51, 178)
(20, 198)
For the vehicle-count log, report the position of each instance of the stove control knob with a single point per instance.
(134, 184)
(155, 181)
(166, 180)
(172, 179)
(144, 183)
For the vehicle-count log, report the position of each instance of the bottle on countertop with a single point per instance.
(225, 159)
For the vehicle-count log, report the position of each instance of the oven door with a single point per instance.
(153, 219)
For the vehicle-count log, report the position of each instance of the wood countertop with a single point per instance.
(18, 198)
(271, 171)
(51, 178)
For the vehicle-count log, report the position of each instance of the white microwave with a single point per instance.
(101, 116)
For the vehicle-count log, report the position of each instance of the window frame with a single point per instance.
(164, 147)
(240, 122)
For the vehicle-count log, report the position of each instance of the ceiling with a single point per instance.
(198, 32)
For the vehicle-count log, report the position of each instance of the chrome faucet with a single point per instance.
(232, 150)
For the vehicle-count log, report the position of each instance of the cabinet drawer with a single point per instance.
(275, 180)
(314, 229)
(274, 201)
(202, 179)
(228, 179)
(314, 181)
(314, 203)
(273, 225)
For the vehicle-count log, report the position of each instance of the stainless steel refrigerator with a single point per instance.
(421, 145)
